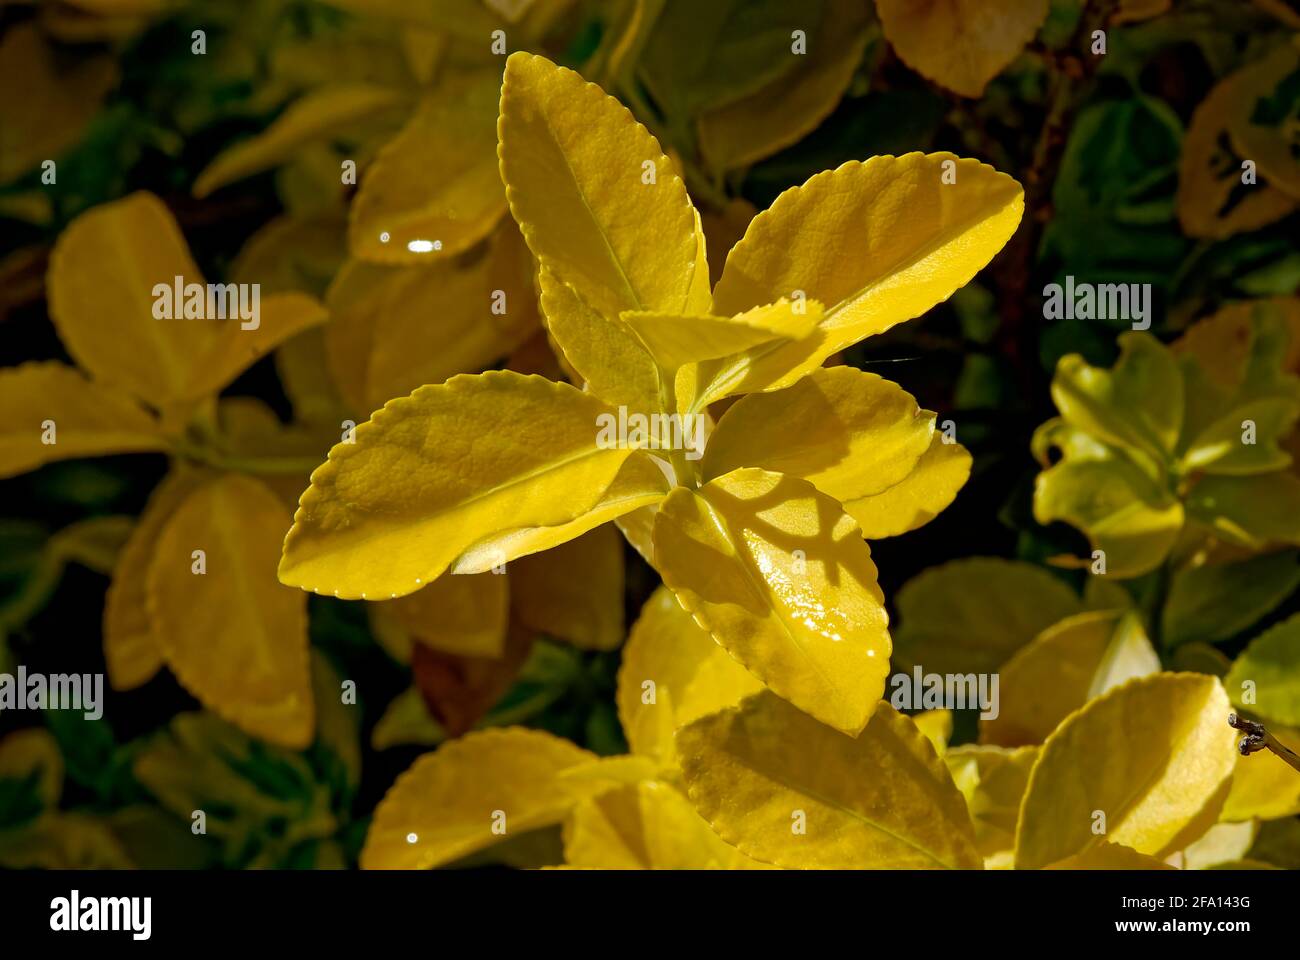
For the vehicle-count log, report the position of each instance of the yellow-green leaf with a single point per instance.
(1064, 667)
(919, 497)
(1138, 403)
(49, 411)
(575, 591)
(673, 672)
(646, 826)
(446, 805)
(1154, 756)
(323, 113)
(1253, 511)
(792, 105)
(782, 578)
(878, 242)
(960, 44)
(599, 203)
(1222, 843)
(1266, 676)
(970, 616)
(233, 635)
(849, 433)
(437, 180)
(1122, 511)
(433, 474)
(787, 790)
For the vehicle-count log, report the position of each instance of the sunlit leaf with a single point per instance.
(919, 497)
(781, 577)
(1272, 666)
(1154, 756)
(432, 474)
(673, 672)
(1064, 667)
(759, 771)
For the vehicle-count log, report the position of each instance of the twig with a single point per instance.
(1257, 738)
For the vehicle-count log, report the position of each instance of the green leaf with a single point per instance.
(1213, 602)
(1272, 664)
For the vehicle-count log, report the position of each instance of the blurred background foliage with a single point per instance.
(1129, 160)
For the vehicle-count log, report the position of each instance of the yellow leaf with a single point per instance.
(323, 113)
(282, 317)
(672, 674)
(937, 727)
(1264, 785)
(575, 591)
(1212, 200)
(646, 826)
(1110, 856)
(639, 484)
(849, 433)
(960, 44)
(598, 201)
(675, 340)
(878, 242)
(993, 780)
(1063, 668)
(788, 107)
(461, 615)
(787, 790)
(437, 180)
(1154, 756)
(49, 411)
(1271, 145)
(394, 329)
(102, 275)
(446, 805)
(781, 577)
(433, 474)
(59, 97)
(293, 253)
(603, 352)
(34, 753)
(1222, 843)
(919, 497)
(971, 615)
(233, 636)
(130, 650)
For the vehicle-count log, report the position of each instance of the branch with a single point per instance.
(1257, 738)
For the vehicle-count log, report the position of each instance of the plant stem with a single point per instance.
(1258, 738)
